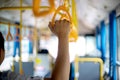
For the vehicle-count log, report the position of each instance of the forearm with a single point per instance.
(62, 64)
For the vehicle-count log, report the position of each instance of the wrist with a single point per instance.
(63, 37)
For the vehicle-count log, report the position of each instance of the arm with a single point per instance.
(62, 65)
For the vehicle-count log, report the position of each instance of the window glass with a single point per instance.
(107, 49)
(118, 36)
(118, 44)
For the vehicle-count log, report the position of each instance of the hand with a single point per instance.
(61, 28)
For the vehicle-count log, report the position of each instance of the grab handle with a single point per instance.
(36, 8)
(9, 35)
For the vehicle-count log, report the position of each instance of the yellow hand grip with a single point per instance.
(73, 34)
(64, 16)
(66, 4)
(9, 35)
(36, 8)
(61, 8)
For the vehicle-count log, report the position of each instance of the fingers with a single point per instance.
(50, 26)
(59, 22)
(67, 22)
(62, 21)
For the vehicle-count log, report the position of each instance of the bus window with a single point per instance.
(118, 54)
(90, 46)
(107, 49)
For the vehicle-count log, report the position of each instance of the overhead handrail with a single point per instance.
(36, 8)
(9, 35)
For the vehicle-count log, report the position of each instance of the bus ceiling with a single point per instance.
(89, 12)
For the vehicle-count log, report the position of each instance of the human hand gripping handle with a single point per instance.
(61, 28)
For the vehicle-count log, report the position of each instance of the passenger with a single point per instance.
(17, 42)
(62, 65)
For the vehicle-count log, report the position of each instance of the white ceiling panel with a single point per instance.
(90, 13)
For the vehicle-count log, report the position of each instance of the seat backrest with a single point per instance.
(88, 69)
(28, 68)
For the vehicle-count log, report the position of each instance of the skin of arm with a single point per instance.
(61, 69)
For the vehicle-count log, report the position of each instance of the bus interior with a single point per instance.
(94, 46)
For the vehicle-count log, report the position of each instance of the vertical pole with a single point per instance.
(113, 45)
(97, 38)
(103, 40)
(20, 60)
(110, 45)
(35, 38)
